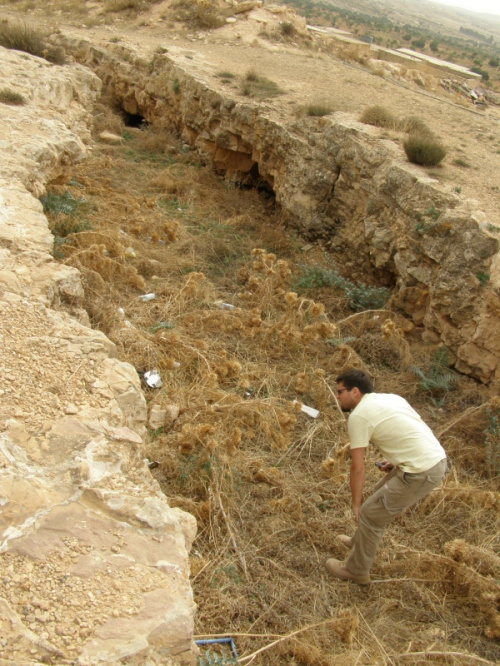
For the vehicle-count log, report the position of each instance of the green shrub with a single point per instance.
(176, 86)
(8, 96)
(424, 150)
(21, 37)
(257, 86)
(378, 116)
(359, 295)
(438, 379)
(484, 74)
(68, 213)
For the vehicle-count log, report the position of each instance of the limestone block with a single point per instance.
(157, 417)
(160, 416)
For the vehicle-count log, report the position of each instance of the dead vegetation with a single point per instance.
(239, 352)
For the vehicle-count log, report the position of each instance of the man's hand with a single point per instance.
(386, 466)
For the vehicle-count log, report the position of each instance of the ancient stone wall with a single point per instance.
(338, 183)
(93, 561)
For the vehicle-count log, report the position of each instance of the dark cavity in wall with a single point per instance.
(133, 119)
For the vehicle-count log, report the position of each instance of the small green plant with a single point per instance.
(433, 213)
(260, 87)
(492, 442)
(424, 150)
(359, 295)
(421, 228)
(482, 277)
(11, 97)
(176, 86)
(458, 189)
(21, 37)
(484, 74)
(160, 325)
(461, 162)
(437, 379)
(378, 116)
(225, 75)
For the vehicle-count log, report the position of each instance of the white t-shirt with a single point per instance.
(398, 432)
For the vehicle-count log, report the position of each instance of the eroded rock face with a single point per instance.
(93, 561)
(338, 183)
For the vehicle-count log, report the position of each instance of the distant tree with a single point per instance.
(418, 43)
(434, 46)
(493, 62)
(484, 74)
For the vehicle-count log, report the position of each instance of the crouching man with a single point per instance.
(414, 462)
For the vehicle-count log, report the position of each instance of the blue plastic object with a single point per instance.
(211, 641)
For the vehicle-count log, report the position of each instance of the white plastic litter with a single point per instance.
(226, 306)
(148, 297)
(153, 379)
(308, 410)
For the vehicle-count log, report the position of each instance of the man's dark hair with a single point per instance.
(355, 378)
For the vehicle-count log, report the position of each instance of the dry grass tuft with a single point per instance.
(379, 116)
(424, 150)
(11, 97)
(23, 37)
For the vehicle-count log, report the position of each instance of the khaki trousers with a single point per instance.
(396, 492)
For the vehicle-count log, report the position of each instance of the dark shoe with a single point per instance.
(339, 570)
(345, 540)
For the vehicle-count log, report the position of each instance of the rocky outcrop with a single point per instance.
(339, 183)
(93, 561)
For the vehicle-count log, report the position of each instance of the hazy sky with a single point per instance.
(487, 6)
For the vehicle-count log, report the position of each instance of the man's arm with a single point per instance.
(357, 479)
